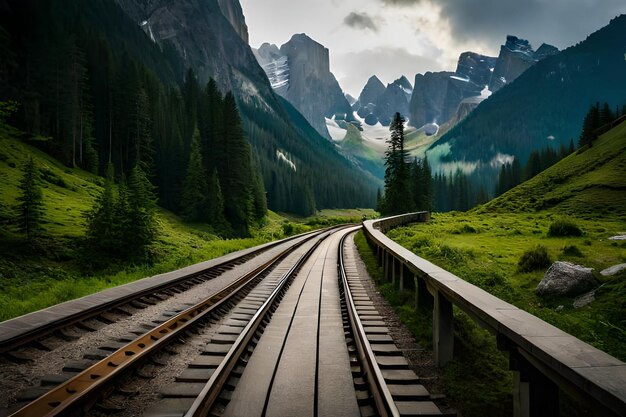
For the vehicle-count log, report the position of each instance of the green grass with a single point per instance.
(477, 379)
(57, 268)
(489, 258)
(570, 210)
(589, 184)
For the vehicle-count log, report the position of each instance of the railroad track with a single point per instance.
(296, 335)
(86, 316)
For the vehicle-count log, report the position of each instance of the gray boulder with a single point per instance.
(566, 279)
(613, 270)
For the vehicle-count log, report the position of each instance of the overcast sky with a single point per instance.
(390, 38)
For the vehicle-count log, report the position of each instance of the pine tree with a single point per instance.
(141, 226)
(397, 189)
(30, 201)
(215, 203)
(141, 133)
(590, 124)
(194, 195)
(101, 220)
(259, 203)
(482, 197)
(606, 115)
(211, 126)
(234, 169)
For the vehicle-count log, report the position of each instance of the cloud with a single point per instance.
(400, 2)
(558, 22)
(363, 21)
(388, 63)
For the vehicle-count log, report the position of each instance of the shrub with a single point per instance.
(572, 251)
(534, 259)
(564, 227)
(287, 229)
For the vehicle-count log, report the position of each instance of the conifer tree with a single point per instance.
(195, 187)
(215, 203)
(141, 133)
(259, 204)
(141, 229)
(397, 197)
(234, 169)
(101, 220)
(30, 201)
(590, 124)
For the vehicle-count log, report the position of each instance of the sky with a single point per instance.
(390, 38)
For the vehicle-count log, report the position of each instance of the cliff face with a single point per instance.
(475, 67)
(300, 72)
(233, 12)
(438, 97)
(378, 103)
(516, 56)
(372, 91)
(205, 39)
(429, 96)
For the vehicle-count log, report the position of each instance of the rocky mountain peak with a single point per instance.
(515, 44)
(300, 72)
(475, 67)
(516, 56)
(404, 83)
(372, 91)
(545, 50)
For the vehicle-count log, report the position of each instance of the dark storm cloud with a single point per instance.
(559, 22)
(360, 21)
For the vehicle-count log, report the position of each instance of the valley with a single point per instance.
(312, 208)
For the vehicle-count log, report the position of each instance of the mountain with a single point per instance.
(516, 56)
(209, 36)
(585, 184)
(300, 72)
(545, 106)
(378, 104)
(439, 96)
(371, 92)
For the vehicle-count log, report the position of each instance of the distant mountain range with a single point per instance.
(545, 106)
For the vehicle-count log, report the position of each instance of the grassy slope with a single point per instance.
(485, 245)
(56, 269)
(587, 184)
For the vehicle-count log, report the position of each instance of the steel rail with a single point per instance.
(383, 399)
(13, 343)
(211, 391)
(85, 386)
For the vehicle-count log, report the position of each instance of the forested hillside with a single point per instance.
(93, 87)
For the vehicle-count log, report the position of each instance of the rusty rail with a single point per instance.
(84, 388)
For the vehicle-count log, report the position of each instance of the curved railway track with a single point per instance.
(295, 335)
(120, 304)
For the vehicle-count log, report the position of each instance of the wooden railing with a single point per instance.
(542, 357)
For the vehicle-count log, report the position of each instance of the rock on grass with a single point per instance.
(566, 279)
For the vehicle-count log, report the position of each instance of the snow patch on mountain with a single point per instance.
(337, 133)
(284, 158)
